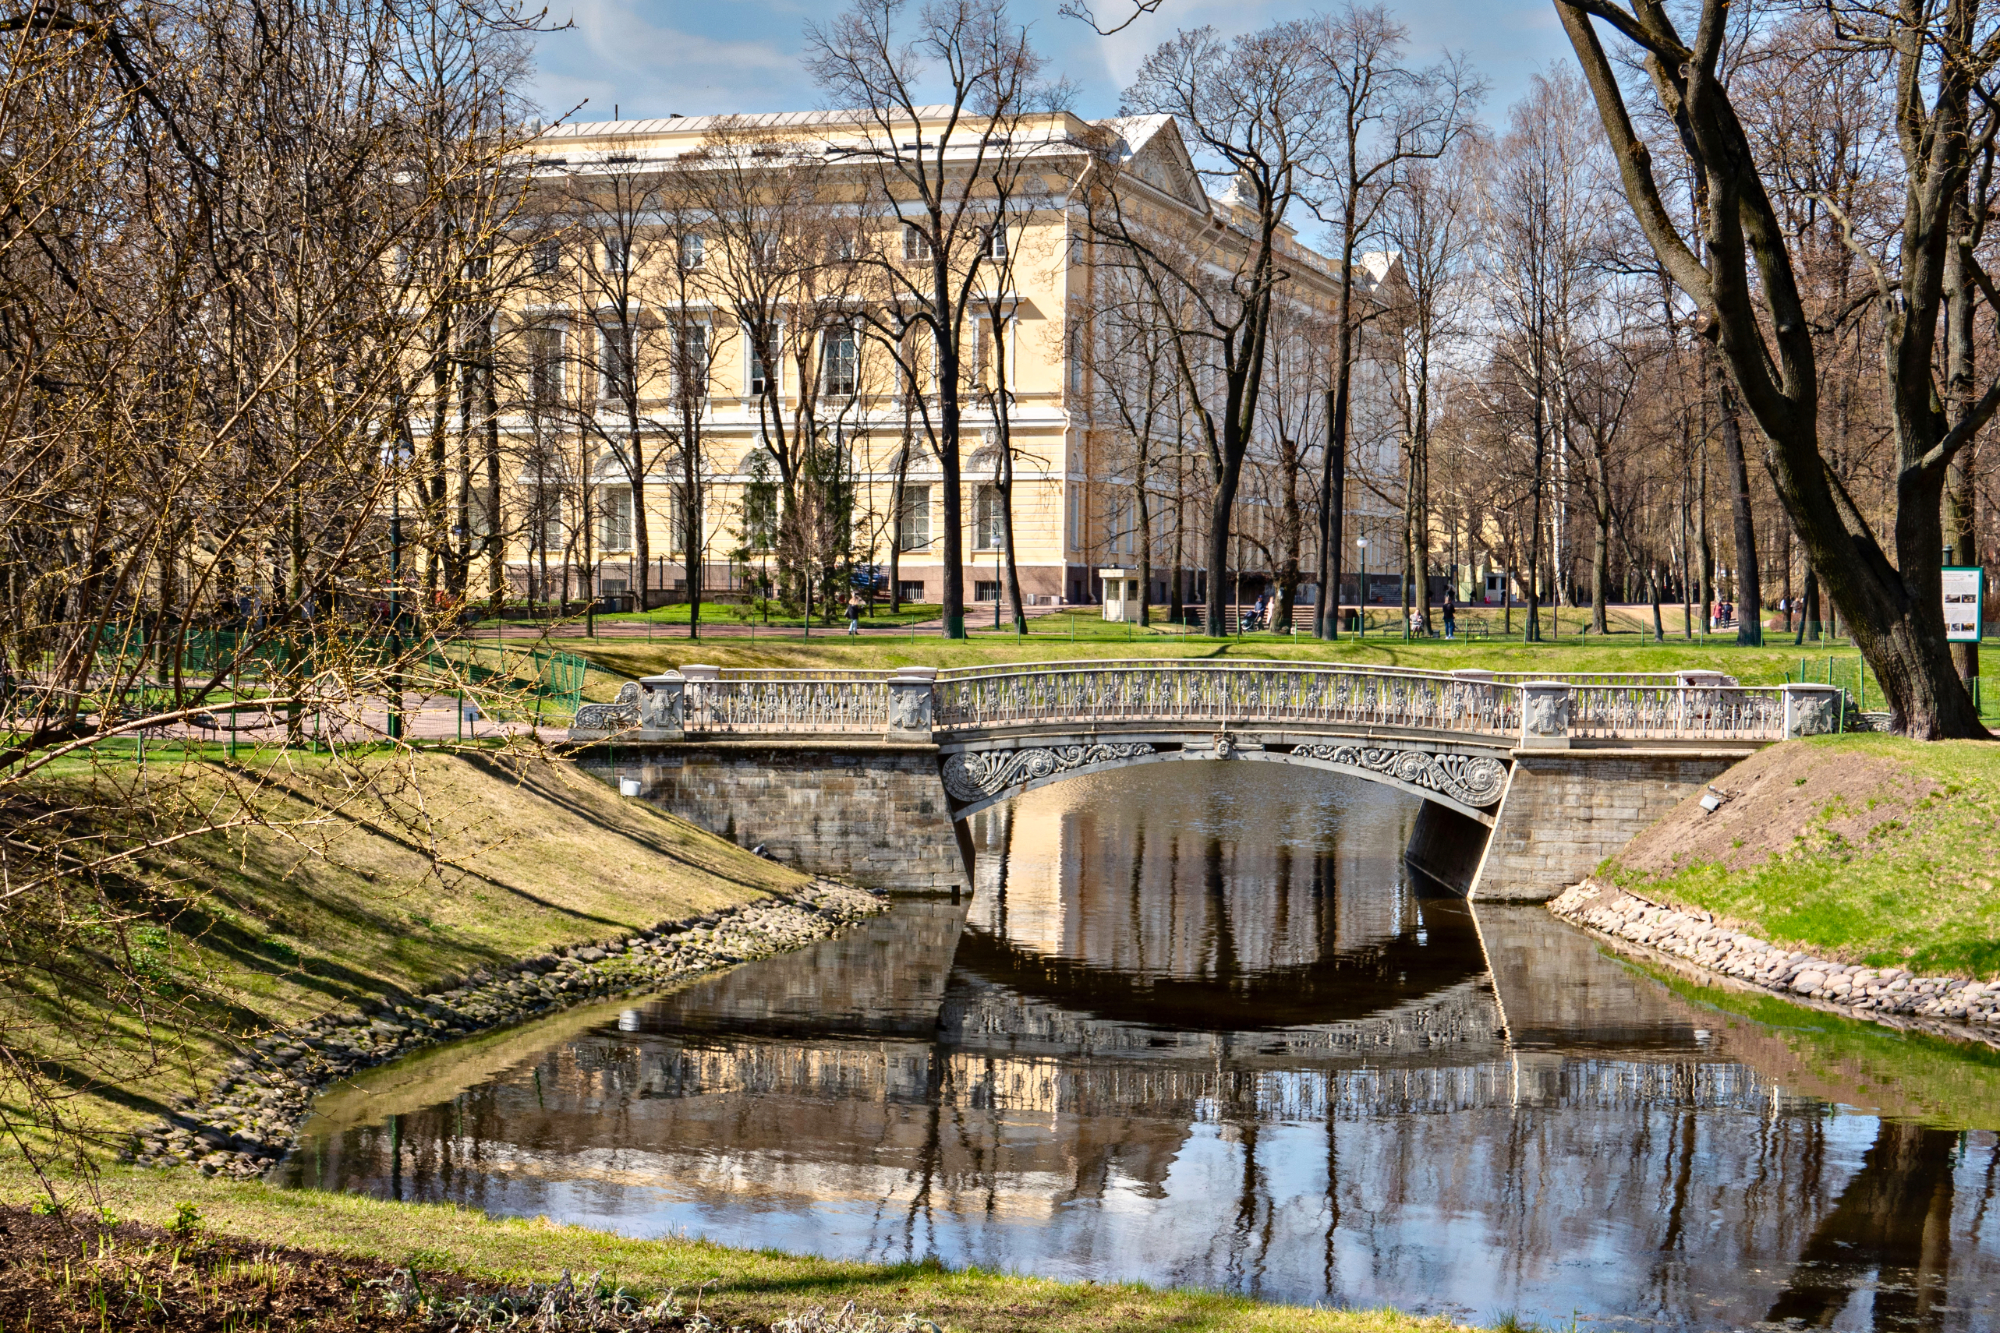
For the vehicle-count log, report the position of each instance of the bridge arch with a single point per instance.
(1459, 778)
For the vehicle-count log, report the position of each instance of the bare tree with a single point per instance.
(1381, 118)
(1255, 107)
(1743, 277)
(929, 196)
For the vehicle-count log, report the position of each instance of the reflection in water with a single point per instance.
(1194, 1026)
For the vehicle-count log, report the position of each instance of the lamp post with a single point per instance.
(1361, 598)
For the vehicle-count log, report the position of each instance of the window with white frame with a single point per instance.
(691, 360)
(988, 527)
(840, 371)
(916, 245)
(691, 250)
(545, 366)
(547, 256)
(617, 254)
(614, 518)
(615, 361)
(996, 241)
(913, 520)
(757, 376)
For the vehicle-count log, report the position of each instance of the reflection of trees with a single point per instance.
(1893, 1220)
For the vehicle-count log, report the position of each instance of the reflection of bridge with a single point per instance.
(1527, 781)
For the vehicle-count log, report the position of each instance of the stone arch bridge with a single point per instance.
(1527, 781)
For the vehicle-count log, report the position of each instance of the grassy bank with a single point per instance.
(744, 1286)
(1869, 849)
(472, 862)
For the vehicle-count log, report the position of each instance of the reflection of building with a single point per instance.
(1072, 504)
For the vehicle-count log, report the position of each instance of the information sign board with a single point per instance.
(1963, 612)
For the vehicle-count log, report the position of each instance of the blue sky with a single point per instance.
(706, 57)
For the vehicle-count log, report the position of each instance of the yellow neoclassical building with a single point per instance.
(633, 215)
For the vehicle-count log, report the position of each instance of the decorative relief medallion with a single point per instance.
(910, 708)
(972, 777)
(619, 714)
(1468, 780)
(1548, 712)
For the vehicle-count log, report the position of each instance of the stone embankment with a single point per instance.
(253, 1116)
(1891, 994)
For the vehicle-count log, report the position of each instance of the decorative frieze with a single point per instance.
(1469, 780)
(975, 776)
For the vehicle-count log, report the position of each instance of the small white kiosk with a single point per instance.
(1121, 593)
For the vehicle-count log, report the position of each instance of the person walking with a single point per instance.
(1450, 617)
(853, 614)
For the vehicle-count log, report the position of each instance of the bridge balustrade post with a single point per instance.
(663, 706)
(912, 703)
(1811, 710)
(1545, 708)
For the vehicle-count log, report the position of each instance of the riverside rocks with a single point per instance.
(1889, 994)
(253, 1115)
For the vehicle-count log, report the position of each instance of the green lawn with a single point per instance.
(1087, 636)
(759, 1285)
(1868, 848)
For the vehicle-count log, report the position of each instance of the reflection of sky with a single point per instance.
(1619, 1165)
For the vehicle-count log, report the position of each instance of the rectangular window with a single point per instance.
(757, 375)
(986, 590)
(764, 249)
(545, 367)
(691, 250)
(616, 362)
(1075, 516)
(614, 519)
(916, 245)
(691, 360)
(547, 256)
(617, 254)
(987, 526)
(841, 371)
(553, 534)
(677, 521)
(760, 515)
(910, 590)
(996, 241)
(913, 523)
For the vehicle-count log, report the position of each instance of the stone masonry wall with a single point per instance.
(1566, 810)
(872, 815)
(1446, 846)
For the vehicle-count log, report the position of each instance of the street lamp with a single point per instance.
(1361, 599)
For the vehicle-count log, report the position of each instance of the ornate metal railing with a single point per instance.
(726, 707)
(916, 704)
(1676, 712)
(1210, 692)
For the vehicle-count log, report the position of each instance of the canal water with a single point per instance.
(1198, 1025)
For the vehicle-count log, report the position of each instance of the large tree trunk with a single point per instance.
(1749, 579)
(1332, 468)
